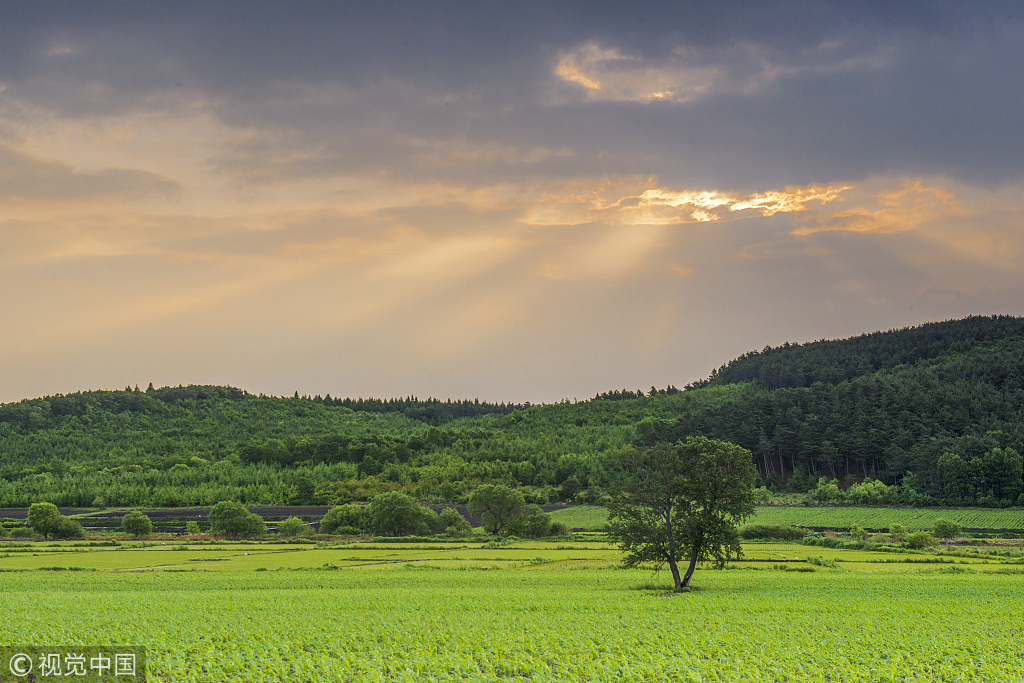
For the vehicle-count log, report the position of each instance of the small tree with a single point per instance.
(499, 507)
(191, 526)
(682, 502)
(292, 527)
(44, 518)
(537, 524)
(396, 514)
(68, 528)
(454, 524)
(228, 518)
(919, 540)
(137, 524)
(857, 533)
(348, 517)
(945, 528)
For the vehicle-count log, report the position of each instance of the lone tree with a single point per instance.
(682, 502)
(137, 524)
(499, 507)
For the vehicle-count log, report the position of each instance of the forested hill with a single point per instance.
(944, 401)
(831, 362)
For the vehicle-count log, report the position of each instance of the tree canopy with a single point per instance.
(44, 518)
(230, 518)
(682, 502)
(396, 514)
(499, 507)
(137, 524)
(869, 409)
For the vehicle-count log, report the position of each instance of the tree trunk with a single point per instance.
(674, 568)
(693, 565)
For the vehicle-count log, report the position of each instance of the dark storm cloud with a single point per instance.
(929, 88)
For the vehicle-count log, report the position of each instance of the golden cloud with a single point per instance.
(628, 202)
(683, 75)
(611, 75)
(907, 208)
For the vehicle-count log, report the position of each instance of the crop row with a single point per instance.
(582, 625)
(593, 517)
(883, 518)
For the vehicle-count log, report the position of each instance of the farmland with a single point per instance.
(593, 517)
(530, 611)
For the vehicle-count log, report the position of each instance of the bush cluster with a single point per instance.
(768, 531)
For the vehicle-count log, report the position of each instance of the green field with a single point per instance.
(593, 518)
(531, 611)
(883, 518)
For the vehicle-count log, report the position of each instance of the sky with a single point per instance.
(505, 201)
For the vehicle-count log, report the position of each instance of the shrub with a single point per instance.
(137, 524)
(920, 540)
(3, 531)
(873, 492)
(68, 528)
(857, 533)
(763, 531)
(897, 530)
(292, 527)
(558, 529)
(822, 562)
(455, 525)
(21, 532)
(945, 528)
(828, 491)
(536, 524)
(192, 527)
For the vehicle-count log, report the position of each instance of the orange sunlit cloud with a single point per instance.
(684, 75)
(906, 208)
(610, 75)
(628, 202)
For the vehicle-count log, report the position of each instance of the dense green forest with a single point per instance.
(925, 415)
